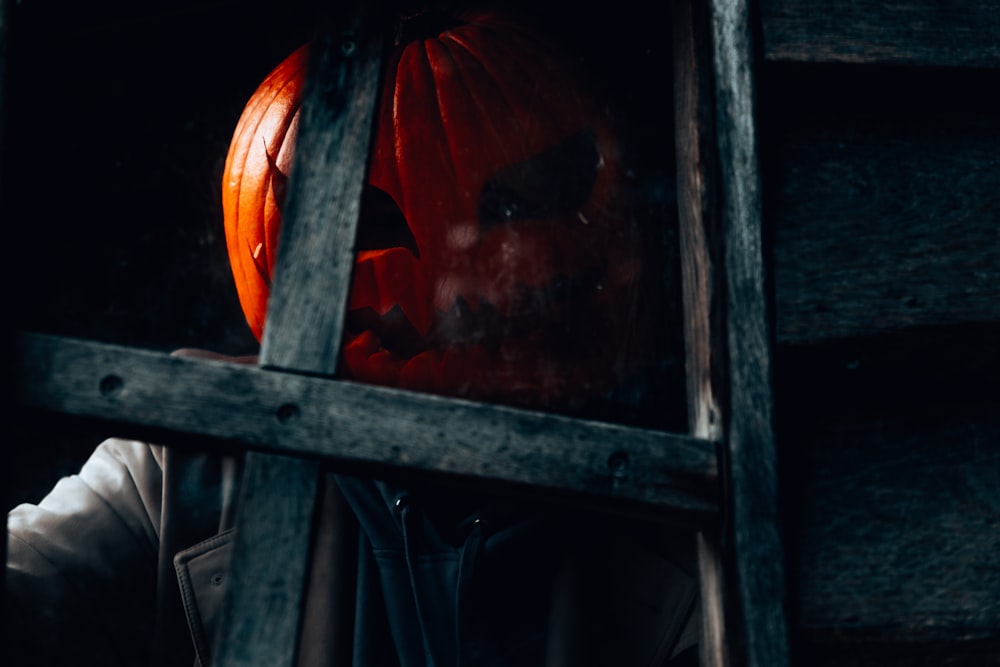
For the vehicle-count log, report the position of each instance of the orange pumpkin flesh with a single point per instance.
(255, 175)
(503, 263)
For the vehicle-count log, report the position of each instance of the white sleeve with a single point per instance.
(81, 564)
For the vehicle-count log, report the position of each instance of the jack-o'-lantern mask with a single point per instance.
(496, 258)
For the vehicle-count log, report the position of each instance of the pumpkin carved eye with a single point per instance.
(424, 24)
(555, 182)
(382, 224)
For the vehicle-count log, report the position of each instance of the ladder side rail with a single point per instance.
(750, 441)
(703, 292)
(278, 508)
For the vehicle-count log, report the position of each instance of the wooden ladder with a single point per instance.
(719, 480)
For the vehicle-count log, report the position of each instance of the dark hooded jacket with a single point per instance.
(126, 563)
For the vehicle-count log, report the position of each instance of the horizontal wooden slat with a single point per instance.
(921, 32)
(899, 527)
(891, 462)
(881, 227)
(381, 430)
(846, 653)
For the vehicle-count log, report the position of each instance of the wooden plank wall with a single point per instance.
(881, 132)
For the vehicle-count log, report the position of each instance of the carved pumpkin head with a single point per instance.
(496, 256)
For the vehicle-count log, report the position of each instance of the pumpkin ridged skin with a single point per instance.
(460, 109)
(258, 160)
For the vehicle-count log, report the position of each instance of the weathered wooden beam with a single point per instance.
(154, 393)
(912, 32)
(270, 562)
(700, 222)
(750, 442)
(278, 501)
(703, 290)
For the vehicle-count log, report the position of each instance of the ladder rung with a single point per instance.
(373, 429)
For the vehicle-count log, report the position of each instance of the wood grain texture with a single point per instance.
(263, 613)
(886, 226)
(899, 528)
(703, 290)
(888, 445)
(305, 319)
(750, 438)
(157, 394)
(700, 228)
(918, 32)
(270, 568)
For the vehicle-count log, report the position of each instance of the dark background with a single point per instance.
(117, 121)
(119, 118)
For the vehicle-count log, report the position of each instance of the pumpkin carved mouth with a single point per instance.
(468, 350)
(485, 325)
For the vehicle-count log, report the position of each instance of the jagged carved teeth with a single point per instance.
(389, 278)
(462, 325)
(393, 329)
(457, 327)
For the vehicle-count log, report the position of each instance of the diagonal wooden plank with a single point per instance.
(263, 616)
(750, 434)
(214, 404)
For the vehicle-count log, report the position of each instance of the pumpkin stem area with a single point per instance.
(424, 24)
